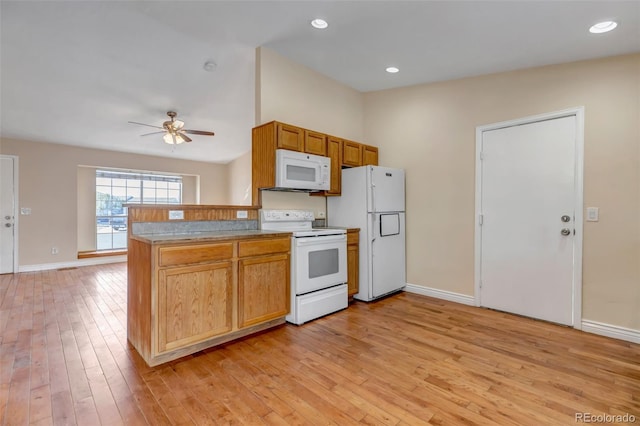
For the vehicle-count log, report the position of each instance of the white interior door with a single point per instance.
(7, 211)
(528, 192)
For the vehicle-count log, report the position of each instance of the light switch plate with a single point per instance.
(242, 214)
(592, 214)
(176, 214)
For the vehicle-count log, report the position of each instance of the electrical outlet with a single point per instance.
(320, 215)
(242, 214)
(54, 250)
(25, 211)
(176, 214)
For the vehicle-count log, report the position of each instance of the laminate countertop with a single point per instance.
(197, 237)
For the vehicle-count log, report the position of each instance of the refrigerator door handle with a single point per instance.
(373, 190)
(375, 220)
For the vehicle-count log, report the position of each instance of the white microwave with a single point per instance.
(297, 170)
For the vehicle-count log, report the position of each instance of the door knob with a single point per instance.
(7, 217)
(565, 218)
(7, 225)
(565, 231)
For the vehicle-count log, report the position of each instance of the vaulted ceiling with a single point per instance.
(75, 72)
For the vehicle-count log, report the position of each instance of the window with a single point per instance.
(115, 188)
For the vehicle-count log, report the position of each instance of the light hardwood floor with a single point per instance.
(404, 360)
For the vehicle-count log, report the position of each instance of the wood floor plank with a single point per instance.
(403, 360)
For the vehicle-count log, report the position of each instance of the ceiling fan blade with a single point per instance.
(185, 137)
(142, 124)
(153, 133)
(199, 132)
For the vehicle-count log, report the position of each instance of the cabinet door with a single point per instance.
(369, 155)
(194, 304)
(353, 263)
(334, 151)
(290, 137)
(315, 143)
(351, 154)
(263, 289)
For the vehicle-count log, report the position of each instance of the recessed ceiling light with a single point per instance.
(603, 27)
(392, 70)
(320, 24)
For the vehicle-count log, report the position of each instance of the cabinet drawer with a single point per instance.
(180, 255)
(260, 247)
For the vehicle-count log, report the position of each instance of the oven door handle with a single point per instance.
(320, 240)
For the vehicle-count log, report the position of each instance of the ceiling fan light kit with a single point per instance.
(174, 134)
(172, 139)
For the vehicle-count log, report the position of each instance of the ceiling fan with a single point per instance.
(173, 130)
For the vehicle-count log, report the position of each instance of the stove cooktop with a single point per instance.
(298, 222)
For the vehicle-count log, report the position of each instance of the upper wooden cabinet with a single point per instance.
(290, 137)
(275, 135)
(369, 155)
(351, 153)
(315, 143)
(334, 151)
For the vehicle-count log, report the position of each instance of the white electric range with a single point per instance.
(318, 264)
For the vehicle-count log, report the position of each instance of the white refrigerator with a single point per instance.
(373, 200)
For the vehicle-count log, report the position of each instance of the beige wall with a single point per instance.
(294, 94)
(429, 130)
(86, 201)
(48, 184)
(240, 180)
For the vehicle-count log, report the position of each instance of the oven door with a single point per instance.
(319, 262)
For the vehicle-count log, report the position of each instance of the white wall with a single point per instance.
(240, 180)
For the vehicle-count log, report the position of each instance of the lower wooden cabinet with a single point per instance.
(180, 304)
(353, 260)
(194, 304)
(263, 293)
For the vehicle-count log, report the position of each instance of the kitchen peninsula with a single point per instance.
(199, 276)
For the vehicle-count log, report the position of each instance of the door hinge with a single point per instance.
(480, 219)
(480, 283)
(481, 155)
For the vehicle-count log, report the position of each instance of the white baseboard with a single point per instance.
(73, 263)
(441, 294)
(609, 330)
